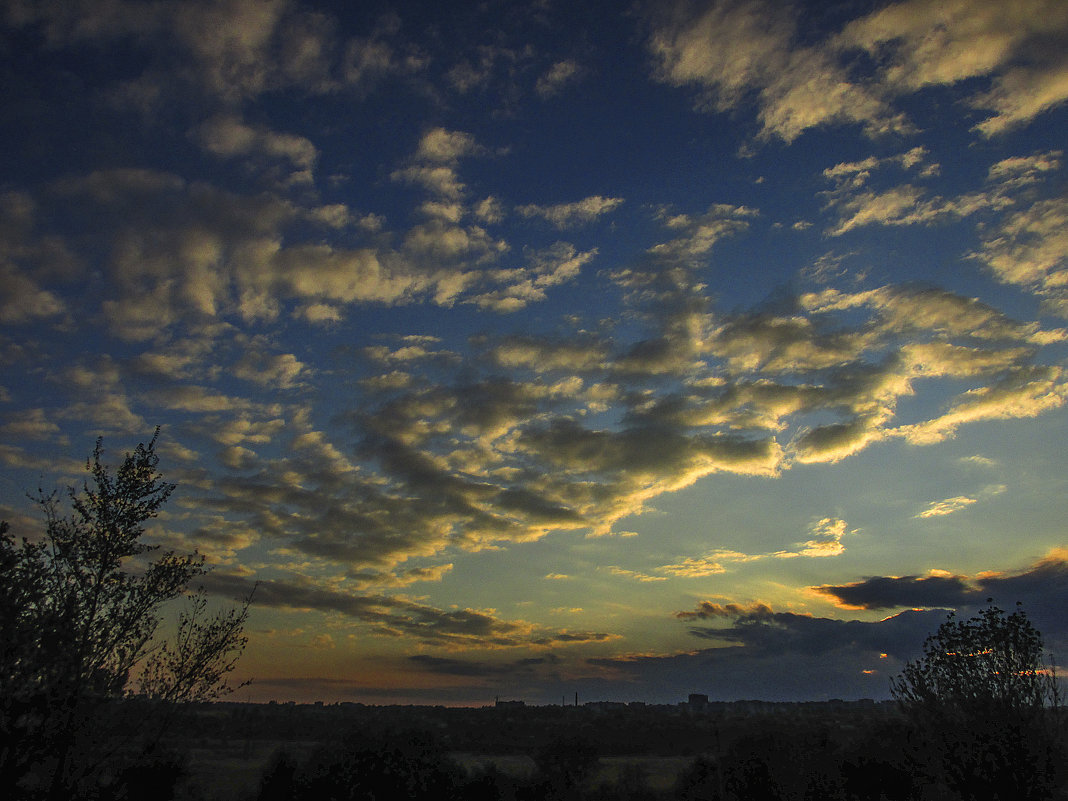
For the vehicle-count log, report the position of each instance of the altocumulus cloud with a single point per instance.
(397, 320)
(739, 53)
(394, 616)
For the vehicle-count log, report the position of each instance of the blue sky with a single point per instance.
(522, 349)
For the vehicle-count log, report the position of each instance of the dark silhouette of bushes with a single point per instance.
(408, 765)
(985, 709)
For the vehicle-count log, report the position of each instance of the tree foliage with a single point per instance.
(80, 612)
(985, 707)
(992, 662)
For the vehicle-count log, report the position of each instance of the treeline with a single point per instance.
(617, 731)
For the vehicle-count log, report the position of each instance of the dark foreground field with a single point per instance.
(836, 751)
(233, 772)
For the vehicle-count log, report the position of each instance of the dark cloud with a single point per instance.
(640, 450)
(537, 508)
(785, 657)
(764, 634)
(782, 656)
(886, 592)
(1044, 586)
(800, 656)
(707, 610)
(1041, 591)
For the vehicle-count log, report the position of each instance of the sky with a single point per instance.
(519, 350)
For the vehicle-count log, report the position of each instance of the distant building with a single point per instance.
(605, 706)
(499, 704)
(698, 702)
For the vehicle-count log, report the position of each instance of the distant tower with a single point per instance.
(576, 699)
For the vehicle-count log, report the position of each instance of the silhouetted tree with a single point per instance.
(984, 706)
(80, 613)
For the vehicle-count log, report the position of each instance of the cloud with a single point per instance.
(440, 180)
(707, 610)
(924, 43)
(23, 300)
(775, 655)
(559, 75)
(1042, 587)
(633, 574)
(826, 538)
(262, 367)
(231, 50)
(912, 309)
(568, 215)
(826, 541)
(696, 234)
(29, 424)
(412, 351)
(401, 578)
(1022, 94)
(435, 162)
(26, 260)
(185, 257)
(525, 434)
(1019, 171)
(546, 268)
(742, 53)
(227, 136)
(441, 145)
(694, 568)
(573, 354)
(395, 616)
(468, 446)
(911, 204)
(1027, 248)
(887, 592)
(769, 655)
(194, 253)
(947, 507)
(1025, 392)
